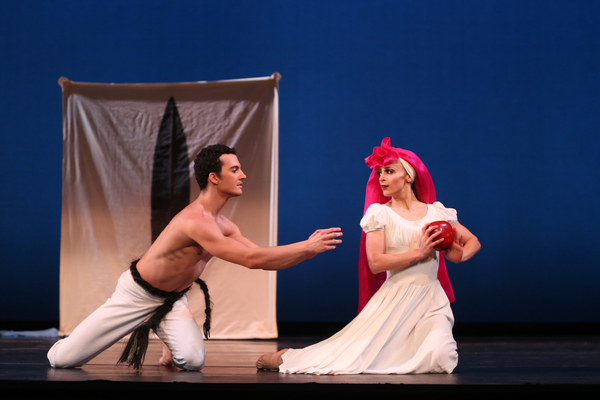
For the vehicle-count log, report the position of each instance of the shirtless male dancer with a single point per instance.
(171, 265)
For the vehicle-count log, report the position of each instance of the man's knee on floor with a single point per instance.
(191, 359)
(59, 359)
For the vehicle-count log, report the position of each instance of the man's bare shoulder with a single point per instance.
(196, 222)
(194, 211)
(194, 216)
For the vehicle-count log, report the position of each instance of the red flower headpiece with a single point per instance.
(383, 154)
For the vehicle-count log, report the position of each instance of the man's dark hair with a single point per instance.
(207, 161)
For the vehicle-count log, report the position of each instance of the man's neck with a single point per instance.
(212, 201)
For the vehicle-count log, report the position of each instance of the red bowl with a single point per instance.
(447, 234)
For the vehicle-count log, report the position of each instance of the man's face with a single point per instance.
(231, 177)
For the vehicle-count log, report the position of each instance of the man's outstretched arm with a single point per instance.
(241, 251)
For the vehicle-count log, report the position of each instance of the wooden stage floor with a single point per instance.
(486, 365)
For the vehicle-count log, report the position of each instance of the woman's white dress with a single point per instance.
(406, 327)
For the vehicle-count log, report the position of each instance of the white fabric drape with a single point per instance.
(109, 135)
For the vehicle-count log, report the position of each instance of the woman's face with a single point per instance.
(393, 179)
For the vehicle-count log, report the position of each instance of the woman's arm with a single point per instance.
(465, 245)
(379, 261)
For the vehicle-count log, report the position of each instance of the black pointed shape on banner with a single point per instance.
(170, 172)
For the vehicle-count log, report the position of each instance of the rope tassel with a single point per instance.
(135, 350)
(207, 308)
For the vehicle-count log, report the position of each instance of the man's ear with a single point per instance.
(213, 178)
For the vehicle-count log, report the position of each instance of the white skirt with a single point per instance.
(403, 329)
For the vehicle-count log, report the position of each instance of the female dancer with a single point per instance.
(406, 324)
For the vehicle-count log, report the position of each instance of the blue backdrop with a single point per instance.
(500, 99)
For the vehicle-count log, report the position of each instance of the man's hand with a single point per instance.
(324, 239)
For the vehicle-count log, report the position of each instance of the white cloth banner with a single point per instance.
(110, 133)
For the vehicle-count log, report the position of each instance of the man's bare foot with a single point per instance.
(270, 361)
(166, 358)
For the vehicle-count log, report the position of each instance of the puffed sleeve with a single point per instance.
(374, 218)
(445, 214)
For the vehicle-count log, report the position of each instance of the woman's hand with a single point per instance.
(465, 245)
(429, 241)
(454, 253)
